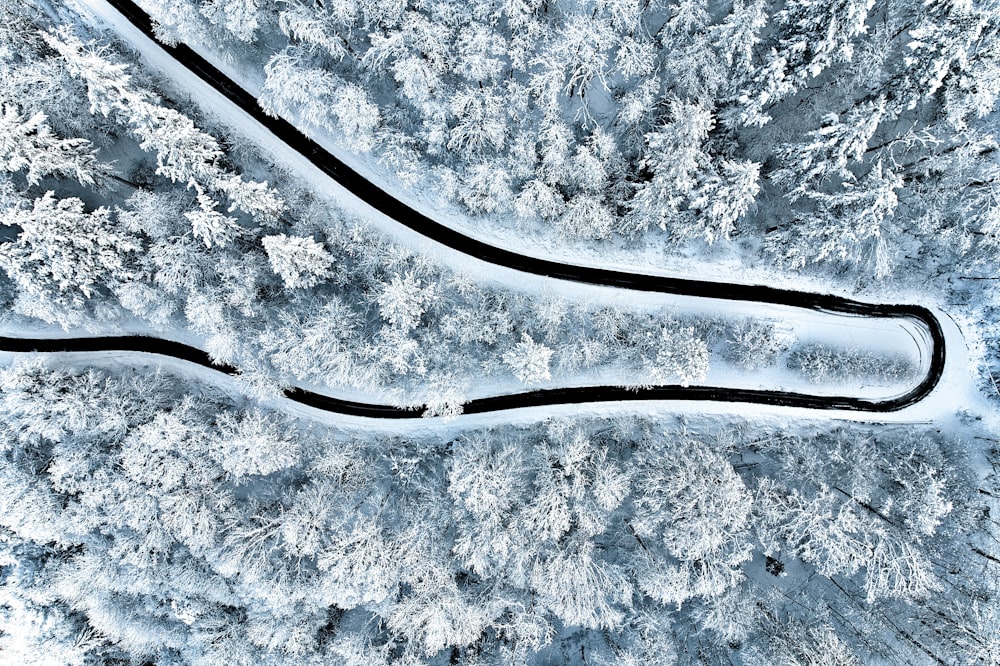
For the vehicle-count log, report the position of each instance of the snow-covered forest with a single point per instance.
(847, 133)
(158, 515)
(147, 517)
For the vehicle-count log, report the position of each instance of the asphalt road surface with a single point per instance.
(407, 216)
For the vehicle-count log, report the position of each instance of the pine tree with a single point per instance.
(851, 226)
(723, 199)
(30, 143)
(183, 152)
(63, 253)
(827, 151)
(818, 35)
(675, 159)
(209, 225)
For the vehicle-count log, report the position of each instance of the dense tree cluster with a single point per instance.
(146, 519)
(847, 132)
(821, 363)
(280, 284)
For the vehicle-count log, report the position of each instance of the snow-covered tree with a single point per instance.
(586, 216)
(723, 199)
(529, 360)
(239, 17)
(482, 123)
(300, 22)
(582, 589)
(64, 253)
(853, 225)
(827, 151)
(819, 35)
(30, 144)
(402, 301)
(358, 117)
(680, 355)
(693, 65)
(313, 97)
(299, 260)
(675, 159)
(484, 477)
(756, 344)
(213, 228)
(841, 537)
(481, 53)
(360, 565)
(486, 188)
(953, 42)
(436, 615)
(254, 443)
(580, 54)
(694, 512)
(183, 152)
(739, 33)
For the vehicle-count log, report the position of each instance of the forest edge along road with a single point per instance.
(422, 224)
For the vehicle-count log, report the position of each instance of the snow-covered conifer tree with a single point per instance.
(183, 152)
(723, 199)
(676, 158)
(64, 253)
(30, 144)
(213, 228)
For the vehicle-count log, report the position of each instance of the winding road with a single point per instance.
(422, 224)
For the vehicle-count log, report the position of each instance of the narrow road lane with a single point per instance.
(406, 215)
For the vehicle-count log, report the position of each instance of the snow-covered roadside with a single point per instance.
(840, 334)
(955, 390)
(876, 336)
(225, 112)
(649, 261)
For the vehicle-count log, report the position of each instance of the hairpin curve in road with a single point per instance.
(422, 224)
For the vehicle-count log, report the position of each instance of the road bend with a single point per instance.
(407, 216)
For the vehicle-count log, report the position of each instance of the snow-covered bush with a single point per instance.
(757, 344)
(821, 363)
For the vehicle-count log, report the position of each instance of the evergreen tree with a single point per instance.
(64, 254)
(30, 143)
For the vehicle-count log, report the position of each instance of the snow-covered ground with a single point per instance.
(895, 336)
